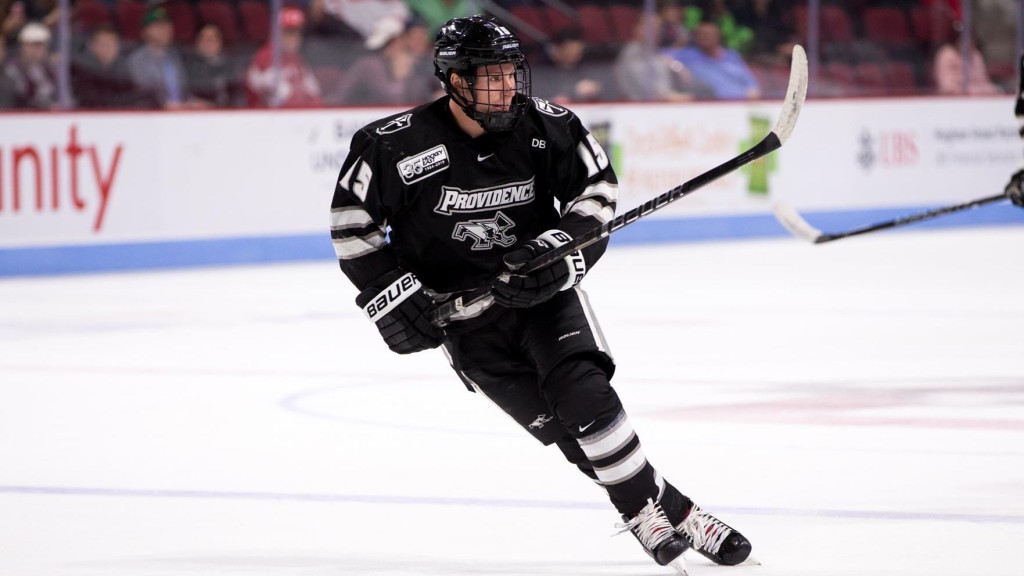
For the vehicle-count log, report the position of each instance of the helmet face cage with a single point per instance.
(478, 49)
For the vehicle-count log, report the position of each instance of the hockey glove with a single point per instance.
(525, 290)
(399, 307)
(1015, 189)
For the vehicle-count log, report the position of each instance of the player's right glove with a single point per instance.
(400, 308)
(525, 290)
(1015, 189)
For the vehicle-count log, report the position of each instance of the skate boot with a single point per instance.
(714, 539)
(656, 534)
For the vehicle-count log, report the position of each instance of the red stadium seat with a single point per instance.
(837, 79)
(88, 14)
(596, 24)
(255, 19)
(836, 25)
(222, 15)
(623, 20)
(886, 24)
(798, 15)
(872, 79)
(901, 78)
(558, 20)
(128, 18)
(931, 26)
(184, 20)
(533, 18)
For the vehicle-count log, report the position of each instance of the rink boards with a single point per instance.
(110, 191)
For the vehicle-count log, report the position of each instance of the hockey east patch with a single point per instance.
(418, 167)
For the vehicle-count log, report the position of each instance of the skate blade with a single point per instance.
(750, 561)
(679, 565)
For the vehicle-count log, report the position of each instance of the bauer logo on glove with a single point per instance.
(398, 306)
(392, 296)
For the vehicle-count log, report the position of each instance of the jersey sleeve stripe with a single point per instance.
(597, 201)
(349, 217)
(352, 247)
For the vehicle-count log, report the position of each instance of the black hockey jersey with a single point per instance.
(418, 193)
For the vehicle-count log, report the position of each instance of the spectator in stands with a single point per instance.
(6, 87)
(735, 36)
(420, 38)
(14, 14)
(721, 69)
(644, 73)
(567, 76)
(949, 69)
(294, 85)
(100, 77)
(212, 76)
(391, 73)
(156, 67)
(435, 13)
(672, 30)
(774, 35)
(30, 72)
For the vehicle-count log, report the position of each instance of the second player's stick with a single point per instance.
(799, 227)
(795, 94)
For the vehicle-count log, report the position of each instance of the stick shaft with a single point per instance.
(910, 219)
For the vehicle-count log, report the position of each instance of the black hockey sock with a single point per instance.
(620, 465)
(573, 453)
(675, 504)
(584, 401)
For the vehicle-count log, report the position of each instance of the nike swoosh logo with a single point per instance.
(584, 428)
(481, 158)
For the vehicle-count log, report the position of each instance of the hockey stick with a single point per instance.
(795, 94)
(799, 227)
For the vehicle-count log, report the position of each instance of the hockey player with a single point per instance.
(1015, 187)
(440, 200)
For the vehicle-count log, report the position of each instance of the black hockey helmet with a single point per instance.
(464, 44)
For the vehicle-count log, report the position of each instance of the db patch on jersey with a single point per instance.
(418, 167)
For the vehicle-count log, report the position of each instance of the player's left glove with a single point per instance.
(1015, 189)
(525, 290)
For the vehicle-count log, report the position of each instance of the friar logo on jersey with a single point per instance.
(548, 108)
(400, 123)
(459, 200)
(418, 167)
(486, 234)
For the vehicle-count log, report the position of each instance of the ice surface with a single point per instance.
(854, 408)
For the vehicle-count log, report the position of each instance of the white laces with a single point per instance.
(704, 531)
(649, 525)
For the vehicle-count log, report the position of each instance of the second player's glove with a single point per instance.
(400, 308)
(1015, 189)
(525, 290)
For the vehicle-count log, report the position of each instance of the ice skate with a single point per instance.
(713, 538)
(656, 534)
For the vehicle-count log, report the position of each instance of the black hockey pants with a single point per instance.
(548, 367)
